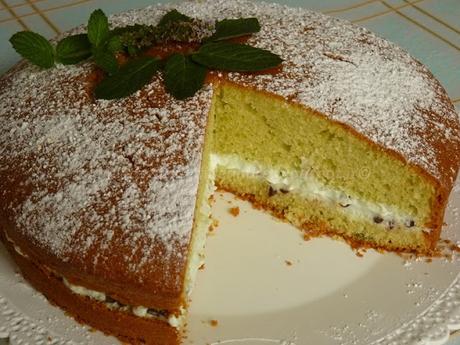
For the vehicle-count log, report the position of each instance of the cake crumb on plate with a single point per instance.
(234, 211)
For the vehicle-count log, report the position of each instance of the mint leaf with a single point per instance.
(114, 44)
(106, 60)
(231, 28)
(183, 77)
(235, 57)
(173, 16)
(73, 49)
(34, 47)
(130, 77)
(98, 28)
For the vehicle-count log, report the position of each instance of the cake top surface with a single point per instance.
(97, 176)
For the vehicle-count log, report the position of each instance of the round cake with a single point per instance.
(105, 203)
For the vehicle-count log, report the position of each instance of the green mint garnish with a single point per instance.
(183, 77)
(130, 77)
(184, 74)
(106, 60)
(98, 28)
(231, 28)
(73, 49)
(34, 47)
(114, 44)
(104, 45)
(235, 57)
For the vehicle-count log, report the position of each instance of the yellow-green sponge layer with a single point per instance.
(257, 127)
(318, 217)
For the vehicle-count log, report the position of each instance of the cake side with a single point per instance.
(125, 326)
(301, 150)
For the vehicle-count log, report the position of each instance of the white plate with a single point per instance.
(327, 296)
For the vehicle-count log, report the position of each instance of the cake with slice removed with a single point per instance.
(105, 203)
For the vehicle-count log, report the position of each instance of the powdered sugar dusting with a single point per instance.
(101, 173)
(125, 168)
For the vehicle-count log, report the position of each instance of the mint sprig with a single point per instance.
(130, 77)
(104, 46)
(98, 28)
(106, 60)
(34, 47)
(114, 44)
(73, 49)
(235, 57)
(183, 77)
(232, 28)
(184, 74)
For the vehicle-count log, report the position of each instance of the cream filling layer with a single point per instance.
(306, 185)
(140, 311)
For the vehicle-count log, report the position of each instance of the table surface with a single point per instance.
(428, 29)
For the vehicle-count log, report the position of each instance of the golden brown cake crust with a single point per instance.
(103, 192)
